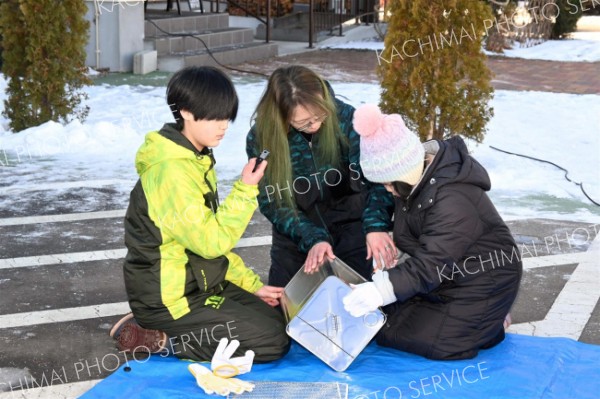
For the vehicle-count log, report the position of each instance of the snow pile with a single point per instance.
(556, 127)
(574, 50)
(112, 132)
(358, 38)
(583, 46)
(562, 128)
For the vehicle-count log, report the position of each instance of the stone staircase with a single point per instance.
(228, 45)
(293, 27)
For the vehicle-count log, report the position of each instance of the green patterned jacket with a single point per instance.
(326, 198)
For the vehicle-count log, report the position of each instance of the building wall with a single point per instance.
(120, 33)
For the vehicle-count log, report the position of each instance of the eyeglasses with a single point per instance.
(316, 119)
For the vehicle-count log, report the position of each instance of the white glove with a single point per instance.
(223, 365)
(210, 383)
(367, 297)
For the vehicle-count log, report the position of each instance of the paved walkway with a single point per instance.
(62, 289)
(537, 75)
(510, 73)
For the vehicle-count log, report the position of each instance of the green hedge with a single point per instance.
(44, 60)
(433, 70)
(566, 22)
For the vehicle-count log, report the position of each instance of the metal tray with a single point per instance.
(302, 285)
(323, 326)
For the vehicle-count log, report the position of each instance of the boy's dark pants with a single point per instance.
(465, 318)
(349, 245)
(232, 313)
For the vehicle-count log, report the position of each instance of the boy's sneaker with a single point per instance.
(133, 338)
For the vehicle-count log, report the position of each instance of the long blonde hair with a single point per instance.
(287, 88)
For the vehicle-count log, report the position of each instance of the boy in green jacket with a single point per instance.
(186, 289)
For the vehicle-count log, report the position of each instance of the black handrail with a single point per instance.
(245, 9)
(326, 20)
(248, 12)
(335, 21)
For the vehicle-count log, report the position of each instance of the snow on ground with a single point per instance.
(583, 46)
(542, 125)
(361, 37)
(562, 128)
(13, 377)
(573, 49)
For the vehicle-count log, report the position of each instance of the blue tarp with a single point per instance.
(520, 367)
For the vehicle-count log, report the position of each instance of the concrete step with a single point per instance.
(214, 38)
(185, 23)
(230, 55)
(291, 34)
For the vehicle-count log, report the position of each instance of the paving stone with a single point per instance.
(509, 73)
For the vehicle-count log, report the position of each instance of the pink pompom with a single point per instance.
(368, 119)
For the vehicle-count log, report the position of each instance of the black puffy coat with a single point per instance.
(464, 267)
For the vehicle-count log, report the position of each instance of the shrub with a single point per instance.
(44, 60)
(433, 70)
(566, 21)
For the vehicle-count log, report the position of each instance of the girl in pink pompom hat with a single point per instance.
(449, 294)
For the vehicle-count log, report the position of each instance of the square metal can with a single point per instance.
(317, 320)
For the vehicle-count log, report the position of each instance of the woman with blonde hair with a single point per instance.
(313, 191)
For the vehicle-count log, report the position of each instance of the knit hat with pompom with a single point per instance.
(389, 152)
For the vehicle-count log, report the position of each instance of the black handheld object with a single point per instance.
(263, 155)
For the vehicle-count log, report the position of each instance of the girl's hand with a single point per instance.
(250, 177)
(381, 246)
(316, 256)
(270, 294)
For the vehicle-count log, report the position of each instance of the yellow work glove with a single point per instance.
(238, 386)
(210, 383)
(223, 365)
